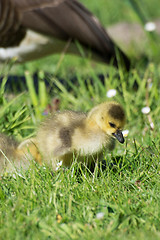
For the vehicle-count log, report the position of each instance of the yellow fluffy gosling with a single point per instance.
(67, 134)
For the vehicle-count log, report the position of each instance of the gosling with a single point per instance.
(69, 134)
(15, 156)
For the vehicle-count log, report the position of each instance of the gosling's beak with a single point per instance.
(118, 134)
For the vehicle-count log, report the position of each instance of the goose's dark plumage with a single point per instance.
(60, 19)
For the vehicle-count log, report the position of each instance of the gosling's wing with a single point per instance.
(62, 19)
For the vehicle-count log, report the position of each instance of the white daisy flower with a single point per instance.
(150, 26)
(125, 132)
(100, 215)
(111, 93)
(145, 110)
(59, 164)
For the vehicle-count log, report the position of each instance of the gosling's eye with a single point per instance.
(112, 125)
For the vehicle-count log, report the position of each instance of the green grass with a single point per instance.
(40, 204)
(127, 192)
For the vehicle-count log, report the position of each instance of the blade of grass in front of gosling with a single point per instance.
(32, 93)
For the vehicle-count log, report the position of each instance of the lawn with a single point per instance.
(120, 202)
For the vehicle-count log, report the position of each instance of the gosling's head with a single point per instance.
(110, 117)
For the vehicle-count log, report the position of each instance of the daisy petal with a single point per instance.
(145, 110)
(150, 26)
(111, 93)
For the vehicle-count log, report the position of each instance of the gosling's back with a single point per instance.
(54, 136)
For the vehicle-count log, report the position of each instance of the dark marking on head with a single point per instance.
(117, 112)
(65, 136)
